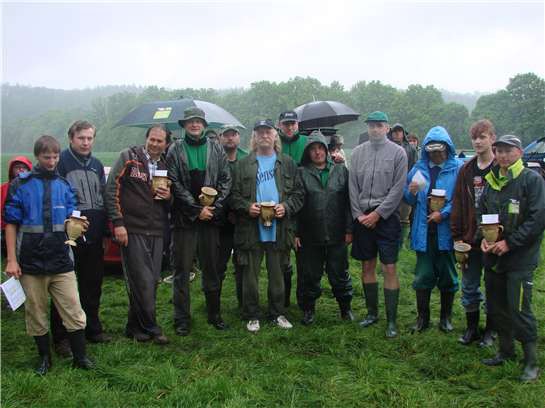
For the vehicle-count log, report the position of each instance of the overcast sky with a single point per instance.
(459, 46)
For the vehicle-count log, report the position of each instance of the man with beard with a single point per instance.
(229, 138)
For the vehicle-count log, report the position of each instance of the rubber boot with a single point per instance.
(391, 300)
(370, 291)
(77, 342)
(308, 314)
(213, 309)
(42, 344)
(346, 310)
(405, 239)
(505, 353)
(447, 299)
(489, 334)
(472, 331)
(530, 371)
(423, 308)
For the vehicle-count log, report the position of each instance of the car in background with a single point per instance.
(534, 156)
(112, 255)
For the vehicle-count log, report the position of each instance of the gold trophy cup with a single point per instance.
(491, 232)
(267, 212)
(437, 199)
(461, 252)
(160, 180)
(207, 196)
(75, 227)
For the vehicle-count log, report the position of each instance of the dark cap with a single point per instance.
(377, 116)
(227, 128)
(288, 116)
(192, 113)
(509, 140)
(435, 147)
(267, 123)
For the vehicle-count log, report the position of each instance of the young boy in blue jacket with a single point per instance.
(431, 237)
(38, 204)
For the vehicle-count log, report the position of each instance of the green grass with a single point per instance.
(332, 363)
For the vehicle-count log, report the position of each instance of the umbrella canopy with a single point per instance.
(322, 114)
(170, 112)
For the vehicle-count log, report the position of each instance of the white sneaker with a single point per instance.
(168, 279)
(253, 326)
(282, 322)
(192, 276)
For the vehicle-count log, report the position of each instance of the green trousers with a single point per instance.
(250, 262)
(509, 303)
(435, 268)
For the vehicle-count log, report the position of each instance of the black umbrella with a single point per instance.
(170, 112)
(320, 114)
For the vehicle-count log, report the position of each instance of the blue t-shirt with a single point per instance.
(266, 191)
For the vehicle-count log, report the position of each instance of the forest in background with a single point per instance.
(28, 112)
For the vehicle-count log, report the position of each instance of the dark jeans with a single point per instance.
(251, 263)
(471, 281)
(89, 267)
(202, 238)
(142, 259)
(509, 301)
(334, 260)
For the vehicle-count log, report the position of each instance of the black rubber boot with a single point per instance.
(370, 291)
(472, 331)
(42, 344)
(308, 314)
(77, 342)
(447, 299)
(530, 371)
(391, 300)
(489, 334)
(423, 308)
(213, 308)
(505, 353)
(346, 310)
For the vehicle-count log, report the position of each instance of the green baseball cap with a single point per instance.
(192, 113)
(377, 116)
(227, 128)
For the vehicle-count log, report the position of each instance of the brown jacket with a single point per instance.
(463, 223)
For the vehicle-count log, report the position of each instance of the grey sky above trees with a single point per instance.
(459, 46)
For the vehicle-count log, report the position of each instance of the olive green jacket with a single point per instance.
(243, 194)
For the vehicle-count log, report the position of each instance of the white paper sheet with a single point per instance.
(14, 293)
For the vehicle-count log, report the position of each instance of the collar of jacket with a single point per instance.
(497, 181)
(81, 159)
(39, 171)
(195, 142)
(287, 139)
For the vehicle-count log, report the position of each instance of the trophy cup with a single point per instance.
(461, 252)
(267, 212)
(437, 199)
(161, 180)
(207, 196)
(491, 228)
(76, 225)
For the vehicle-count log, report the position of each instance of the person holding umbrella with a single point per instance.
(378, 169)
(293, 145)
(193, 163)
(265, 176)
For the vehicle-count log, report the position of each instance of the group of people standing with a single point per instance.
(320, 207)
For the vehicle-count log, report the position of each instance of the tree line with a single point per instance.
(29, 112)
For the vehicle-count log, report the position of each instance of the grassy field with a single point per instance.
(332, 363)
